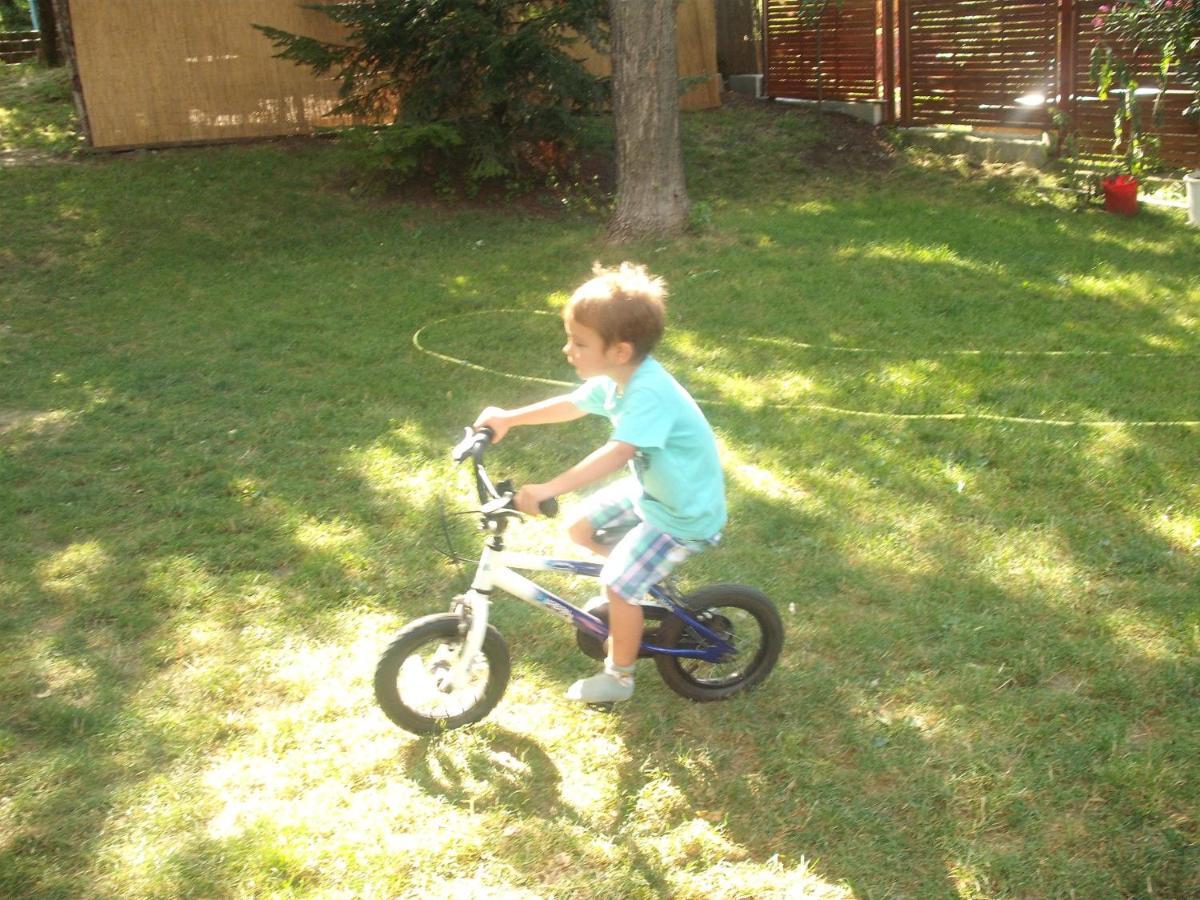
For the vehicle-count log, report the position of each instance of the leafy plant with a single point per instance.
(15, 15)
(1143, 42)
(474, 89)
(1079, 177)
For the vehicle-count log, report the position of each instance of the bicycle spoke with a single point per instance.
(742, 631)
(417, 682)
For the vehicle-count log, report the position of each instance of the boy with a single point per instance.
(676, 499)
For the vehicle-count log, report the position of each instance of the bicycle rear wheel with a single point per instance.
(741, 615)
(410, 678)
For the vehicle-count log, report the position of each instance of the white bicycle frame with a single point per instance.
(496, 570)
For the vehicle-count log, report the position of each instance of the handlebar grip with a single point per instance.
(549, 507)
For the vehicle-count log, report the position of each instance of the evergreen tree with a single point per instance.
(479, 89)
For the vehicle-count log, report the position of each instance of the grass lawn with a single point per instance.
(37, 117)
(220, 463)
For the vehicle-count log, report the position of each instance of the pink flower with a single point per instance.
(1104, 9)
(1097, 22)
(1167, 4)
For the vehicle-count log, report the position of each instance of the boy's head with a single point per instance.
(622, 305)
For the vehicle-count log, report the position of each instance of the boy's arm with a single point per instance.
(608, 459)
(547, 412)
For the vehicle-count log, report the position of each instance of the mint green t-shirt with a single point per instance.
(683, 488)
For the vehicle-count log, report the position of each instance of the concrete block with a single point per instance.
(982, 146)
(746, 84)
(869, 111)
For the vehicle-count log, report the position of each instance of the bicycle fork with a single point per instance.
(476, 604)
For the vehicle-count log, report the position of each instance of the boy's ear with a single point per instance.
(624, 351)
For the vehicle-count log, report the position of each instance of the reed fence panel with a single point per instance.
(162, 72)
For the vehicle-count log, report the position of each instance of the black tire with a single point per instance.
(744, 615)
(414, 701)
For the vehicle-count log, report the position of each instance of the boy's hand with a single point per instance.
(528, 498)
(496, 419)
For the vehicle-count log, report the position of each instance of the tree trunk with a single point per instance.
(651, 195)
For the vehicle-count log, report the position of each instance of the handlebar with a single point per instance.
(473, 445)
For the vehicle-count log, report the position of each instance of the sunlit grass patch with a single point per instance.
(928, 254)
(35, 109)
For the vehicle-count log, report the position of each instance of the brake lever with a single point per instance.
(498, 506)
(548, 507)
(463, 447)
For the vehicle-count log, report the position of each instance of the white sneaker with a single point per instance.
(602, 688)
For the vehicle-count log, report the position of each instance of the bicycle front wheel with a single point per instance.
(411, 678)
(742, 616)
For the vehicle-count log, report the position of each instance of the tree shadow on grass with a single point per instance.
(969, 267)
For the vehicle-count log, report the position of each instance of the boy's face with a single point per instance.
(587, 352)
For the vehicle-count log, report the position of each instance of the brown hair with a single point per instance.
(621, 304)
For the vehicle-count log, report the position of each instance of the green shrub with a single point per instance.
(14, 15)
(471, 89)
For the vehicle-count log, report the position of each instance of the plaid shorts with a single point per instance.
(644, 556)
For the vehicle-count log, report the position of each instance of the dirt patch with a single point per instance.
(35, 423)
(12, 159)
(846, 143)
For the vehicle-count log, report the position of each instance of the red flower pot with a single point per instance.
(1120, 194)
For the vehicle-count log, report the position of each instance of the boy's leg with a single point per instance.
(608, 509)
(583, 533)
(625, 625)
(641, 559)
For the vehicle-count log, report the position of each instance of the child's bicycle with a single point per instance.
(449, 670)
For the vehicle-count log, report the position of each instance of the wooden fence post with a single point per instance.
(885, 57)
(766, 49)
(62, 13)
(1068, 28)
(904, 27)
(48, 52)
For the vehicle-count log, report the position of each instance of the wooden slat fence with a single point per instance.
(964, 62)
(16, 46)
(969, 60)
(848, 69)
